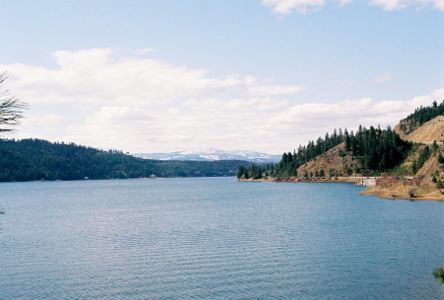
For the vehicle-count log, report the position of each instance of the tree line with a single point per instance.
(35, 159)
(422, 115)
(255, 171)
(290, 162)
(375, 149)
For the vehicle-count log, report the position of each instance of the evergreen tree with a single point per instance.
(240, 171)
(440, 158)
(347, 142)
(414, 167)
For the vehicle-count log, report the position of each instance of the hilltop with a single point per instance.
(430, 131)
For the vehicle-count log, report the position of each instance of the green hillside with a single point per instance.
(34, 159)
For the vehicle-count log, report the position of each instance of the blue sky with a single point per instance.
(154, 76)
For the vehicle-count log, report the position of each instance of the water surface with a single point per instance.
(214, 238)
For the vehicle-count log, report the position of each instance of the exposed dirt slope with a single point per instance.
(429, 168)
(402, 134)
(431, 131)
(332, 164)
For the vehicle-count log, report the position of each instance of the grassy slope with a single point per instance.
(430, 131)
(328, 161)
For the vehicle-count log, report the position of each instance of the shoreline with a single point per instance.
(404, 190)
(401, 191)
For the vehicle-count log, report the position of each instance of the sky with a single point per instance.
(262, 75)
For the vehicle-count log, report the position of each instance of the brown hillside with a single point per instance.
(399, 131)
(429, 168)
(330, 162)
(431, 131)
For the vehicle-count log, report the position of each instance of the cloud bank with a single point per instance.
(283, 7)
(101, 98)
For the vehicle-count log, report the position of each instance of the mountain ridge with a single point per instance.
(213, 154)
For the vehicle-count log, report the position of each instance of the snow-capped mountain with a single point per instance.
(213, 154)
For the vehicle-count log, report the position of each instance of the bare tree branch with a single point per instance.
(11, 108)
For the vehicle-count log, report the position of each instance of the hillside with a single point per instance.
(429, 168)
(331, 163)
(430, 131)
(411, 155)
(34, 159)
(335, 165)
(367, 152)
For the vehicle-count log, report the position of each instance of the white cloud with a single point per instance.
(322, 117)
(283, 7)
(382, 78)
(264, 124)
(274, 90)
(286, 6)
(249, 80)
(100, 76)
(196, 124)
(103, 77)
(400, 4)
(98, 98)
(343, 2)
(143, 51)
(44, 119)
(389, 4)
(349, 82)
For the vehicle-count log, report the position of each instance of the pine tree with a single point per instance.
(240, 171)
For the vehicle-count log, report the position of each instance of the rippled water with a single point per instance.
(213, 238)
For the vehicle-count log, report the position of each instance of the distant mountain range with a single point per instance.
(213, 154)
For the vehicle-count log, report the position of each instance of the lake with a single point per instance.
(214, 238)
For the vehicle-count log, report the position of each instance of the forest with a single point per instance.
(290, 162)
(422, 115)
(35, 159)
(376, 150)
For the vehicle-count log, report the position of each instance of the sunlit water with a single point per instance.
(213, 238)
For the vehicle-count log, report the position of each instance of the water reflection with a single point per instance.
(2, 212)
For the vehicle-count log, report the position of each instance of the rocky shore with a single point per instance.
(420, 190)
(404, 190)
